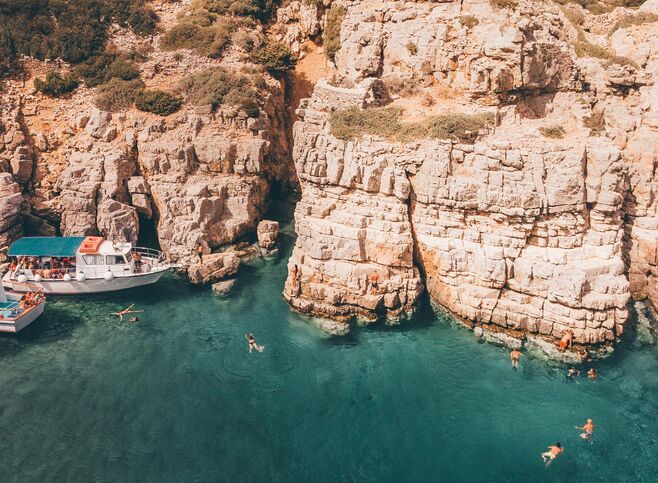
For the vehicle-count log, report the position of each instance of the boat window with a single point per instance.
(114, 259)
(93, 259)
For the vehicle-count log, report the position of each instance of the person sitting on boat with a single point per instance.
(47, 273)
(137, 258)
(12, 266)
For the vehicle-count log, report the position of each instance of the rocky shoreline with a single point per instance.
(542, 221)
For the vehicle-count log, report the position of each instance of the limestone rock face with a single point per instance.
(11, 206)
(214, 267)
(197, 177)
(527, 230)
(268, 233)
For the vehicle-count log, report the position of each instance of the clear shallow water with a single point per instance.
(177, 397)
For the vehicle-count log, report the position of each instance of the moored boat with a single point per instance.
(18, 310)
(79, 265)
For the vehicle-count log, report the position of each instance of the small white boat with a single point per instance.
(17, 311)
(80, 265)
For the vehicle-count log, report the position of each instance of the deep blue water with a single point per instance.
(177, 397)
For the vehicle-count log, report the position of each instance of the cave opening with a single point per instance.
(148, 232)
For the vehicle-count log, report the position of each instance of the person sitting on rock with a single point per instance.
(515, 355)
(552, 453)
(566, 340)
(592, 374)
(588, 429)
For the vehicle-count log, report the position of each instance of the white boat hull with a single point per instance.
(88, 286)
(23, 320)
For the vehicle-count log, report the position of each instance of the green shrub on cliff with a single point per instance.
(209, 40)
(385, 122)
(105, 66)
(71, 30)
(56, 84)
(157, 101)
(221, 86)
(331, 35)
(275, 56)
(117, 94)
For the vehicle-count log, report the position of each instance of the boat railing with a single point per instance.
(151, 253)
(44, 273)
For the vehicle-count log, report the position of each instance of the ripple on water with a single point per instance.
(178, 397)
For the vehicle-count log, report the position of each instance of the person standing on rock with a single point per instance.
(199, 252)
(566, 340)
(374, 282)
(515, 355)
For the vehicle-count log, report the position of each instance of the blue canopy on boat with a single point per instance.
(46, 246)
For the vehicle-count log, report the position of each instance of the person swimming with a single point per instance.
(515, 355)
(252, 343)
(592, 374)
(588, 429)
(573, 372)
(552, 453)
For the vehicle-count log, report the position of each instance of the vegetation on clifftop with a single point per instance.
(220, 86)
(56, 84)
(157, 101)
(353, 123)
(71, 30)
(331, 35)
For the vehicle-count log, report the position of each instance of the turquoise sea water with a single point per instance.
(177, 397)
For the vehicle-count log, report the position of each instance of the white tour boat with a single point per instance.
(79, 265)
(17, 311)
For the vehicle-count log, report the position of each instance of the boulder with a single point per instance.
(213, 267)
(268, 233)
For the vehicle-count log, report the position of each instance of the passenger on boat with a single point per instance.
(137, 258)
(47, 273)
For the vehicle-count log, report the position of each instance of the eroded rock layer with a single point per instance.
(543, 223)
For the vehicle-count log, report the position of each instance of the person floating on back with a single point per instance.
(552, 453)
(566, 340)
(252, 343)
(588, 429)
(515, 355)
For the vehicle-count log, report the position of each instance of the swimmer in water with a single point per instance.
(252, 343)
(515, 355)
(573, 372)
(588, 429)
(592, 374)
(552, 453)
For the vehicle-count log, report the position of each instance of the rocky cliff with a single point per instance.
(543, 222)
(200, 176)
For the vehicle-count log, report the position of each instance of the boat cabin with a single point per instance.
(56, 258)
